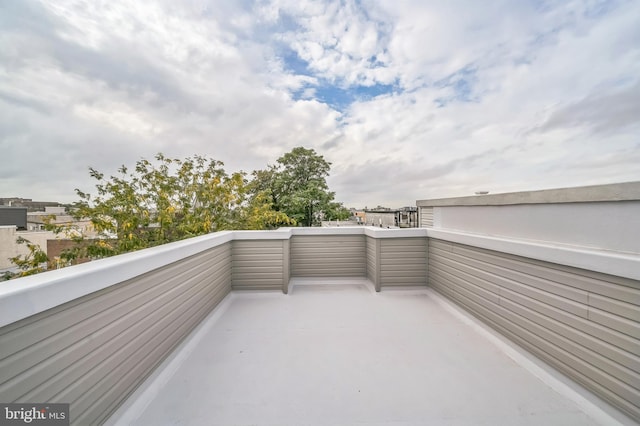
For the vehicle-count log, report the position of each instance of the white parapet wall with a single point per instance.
(602, 217)
(556, 271)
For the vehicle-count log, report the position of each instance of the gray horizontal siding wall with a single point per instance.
(94, 351)
(584, 323)
(426, 217)
(328, 256)
(403, 261)
(260, 264)
(373, 266)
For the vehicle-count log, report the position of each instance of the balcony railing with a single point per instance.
(91, 334)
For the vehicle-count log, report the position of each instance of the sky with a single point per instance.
(408, 99)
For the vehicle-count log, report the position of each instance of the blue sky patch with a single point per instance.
(369, 92)
(335, 97)
(461, 85)
(340, 98)
(332, 94)
(295, 64)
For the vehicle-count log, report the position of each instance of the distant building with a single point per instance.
(37, 221)
(32, 206)
(13, 216)
(18, 222)
(407, 217)
(10, 248)
(56, 247)
(383, 217)
(359, 216)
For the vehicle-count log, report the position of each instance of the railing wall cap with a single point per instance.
(276, 234)
(23, 297)
(27, 296)
(621, 264)
(370, 231)
(338, 230)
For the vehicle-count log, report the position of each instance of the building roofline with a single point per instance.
(627, 191)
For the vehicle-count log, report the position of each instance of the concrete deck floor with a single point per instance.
(337, 353)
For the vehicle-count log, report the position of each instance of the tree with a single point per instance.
(168, 200)
(261, 215)
(297, 186)
(337, 211)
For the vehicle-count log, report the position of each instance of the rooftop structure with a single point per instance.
(436, 325)
(28, 203)
(38, 221)
(13, 216)
(383, 217)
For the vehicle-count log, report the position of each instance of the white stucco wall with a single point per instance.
(603, 225)
(9, 248)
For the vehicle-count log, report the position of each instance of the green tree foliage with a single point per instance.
(297, 186)
(260, 214)
(168, 200)
(337, 211)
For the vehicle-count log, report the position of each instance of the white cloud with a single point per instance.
(486, 95)
(338, 40)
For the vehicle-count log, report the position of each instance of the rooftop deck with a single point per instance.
(331, 326)
(337, 352)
